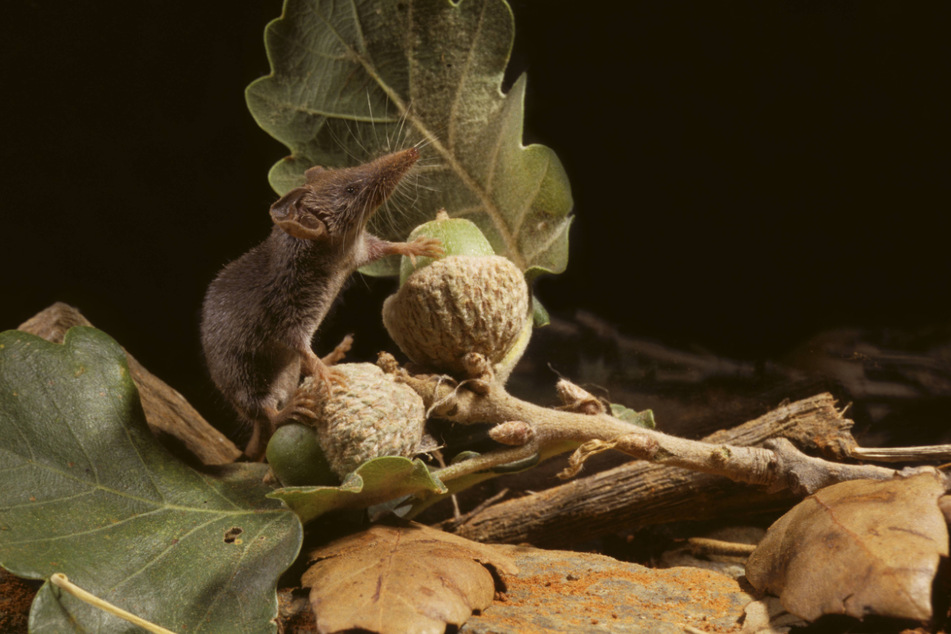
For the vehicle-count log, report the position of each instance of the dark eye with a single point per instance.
(351, 189)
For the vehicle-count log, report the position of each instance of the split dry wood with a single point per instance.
(166, 411)
(902, 454)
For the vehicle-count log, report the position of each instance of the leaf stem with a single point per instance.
(59, 580)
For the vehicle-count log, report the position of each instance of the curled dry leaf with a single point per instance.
(859, 548)
(768, 616)
(407, 578)
(945, 505)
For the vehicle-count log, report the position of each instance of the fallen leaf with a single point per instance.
(859, 548)
(87, 490)
(407, 578)
(945, 505)
(768, 616)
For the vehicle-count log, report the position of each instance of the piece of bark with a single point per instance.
(166, 411)
(638, 494)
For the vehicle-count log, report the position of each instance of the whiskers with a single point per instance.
(381, 129)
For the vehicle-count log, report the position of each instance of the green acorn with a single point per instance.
(296, 458)
(457, 235)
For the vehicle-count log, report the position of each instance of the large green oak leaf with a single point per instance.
(86, 490)
(353, 79)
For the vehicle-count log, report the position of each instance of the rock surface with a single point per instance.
(562, 591)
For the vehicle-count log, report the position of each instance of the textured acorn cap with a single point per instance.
(371, 416)
(456, 305)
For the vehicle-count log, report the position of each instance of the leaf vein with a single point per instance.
(136, 450)
(234, 570)
(91, 531)
(40, 503)
(159, 555)
(296, 107)
(457, 96)
(468, 181)
(553, 237)
(313, 51)
(529, 201)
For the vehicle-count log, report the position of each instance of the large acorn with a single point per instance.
(469, 301)
(371, 416)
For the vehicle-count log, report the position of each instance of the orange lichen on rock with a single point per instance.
(564, 591)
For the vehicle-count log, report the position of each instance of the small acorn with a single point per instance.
(370, 416)
(468, 301)
(296, 457)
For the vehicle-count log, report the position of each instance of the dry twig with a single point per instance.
(776, 466)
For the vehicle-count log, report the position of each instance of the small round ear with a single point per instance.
(313, 174)
(294, 221)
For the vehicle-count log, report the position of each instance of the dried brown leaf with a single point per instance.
(859, 548)
(768, 616)
(945, 505)
(408, 578)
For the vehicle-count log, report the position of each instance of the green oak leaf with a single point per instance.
(374, 482)
(86, 490)
(353, 79)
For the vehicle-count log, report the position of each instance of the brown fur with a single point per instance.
(261, 312)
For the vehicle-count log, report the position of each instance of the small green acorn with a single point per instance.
(296, 458)
(469, 301)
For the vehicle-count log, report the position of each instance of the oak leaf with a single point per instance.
(87, 490)
(376, 481)
(407, 578)
(355, 77)
(859, 548)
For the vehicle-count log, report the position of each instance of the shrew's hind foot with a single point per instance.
(301, 408)
(323, 374)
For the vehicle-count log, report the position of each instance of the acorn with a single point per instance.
(297, 459)
(457, 235)
(468, 301)
(369, 416)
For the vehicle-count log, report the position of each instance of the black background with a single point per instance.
(744, 173)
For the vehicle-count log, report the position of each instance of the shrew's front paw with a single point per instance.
(426, 246)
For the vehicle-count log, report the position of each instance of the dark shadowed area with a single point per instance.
(745, 174)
